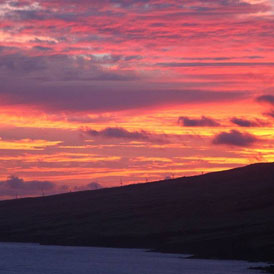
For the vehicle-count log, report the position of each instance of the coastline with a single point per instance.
(28, 258)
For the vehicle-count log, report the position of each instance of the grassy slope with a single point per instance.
(227, 214)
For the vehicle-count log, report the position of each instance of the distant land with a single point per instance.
(227, 214)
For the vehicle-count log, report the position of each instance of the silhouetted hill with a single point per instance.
(228, 214)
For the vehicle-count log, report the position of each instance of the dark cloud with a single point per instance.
(17, 187)
(81, 97)
(60, 67)
(268, 98)
(247, 123)
(234, 138)
(201, 122)
(5, 48)
(47, 42)
(121, 133)
(20, 64)
(221, 58)
(41, 48)
(269, 114)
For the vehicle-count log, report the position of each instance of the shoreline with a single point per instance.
(187, 255)
(64, 259)
(264, 269)
(269, 268)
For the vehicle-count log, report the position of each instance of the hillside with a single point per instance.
(228, 214)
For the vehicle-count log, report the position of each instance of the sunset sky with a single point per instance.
(128, 91)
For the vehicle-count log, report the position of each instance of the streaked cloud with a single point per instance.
(121, 133)
(270, 114)
(268, 98)
(217, 64)
(248, 123)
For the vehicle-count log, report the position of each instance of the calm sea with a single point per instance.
(36, 259)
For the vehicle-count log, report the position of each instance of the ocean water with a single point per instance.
(36, 259)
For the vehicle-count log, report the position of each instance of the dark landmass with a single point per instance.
(228, 214)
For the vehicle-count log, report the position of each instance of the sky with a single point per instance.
(115, 92)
